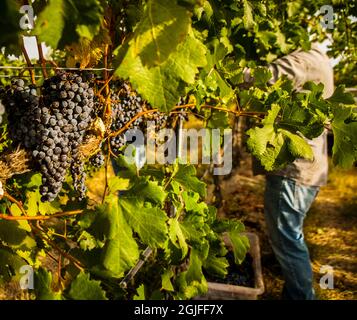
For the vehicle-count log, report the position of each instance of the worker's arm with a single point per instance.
(300, 67)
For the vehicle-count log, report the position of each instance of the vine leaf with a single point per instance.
(240, 245)
(117, 184)
(192, 282)
(82, 288)
(43, 286)
(9, 21)
(148, 222)
(190, 55)
(215, 264)
(276, 147)
(10, 264)
(120, 251)
(248, 19)
(89, 15)
(340, 96)
(33, 202)
(50, 23)
(63, 22)
(13, 234)
(163, 26)
(177, 236)
(345, 137)
(148, 190)
(120, 254)
(192, 203)
(140, 293)
(162, 85)
(186, 177)
(166, 280)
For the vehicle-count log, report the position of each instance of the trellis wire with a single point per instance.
(54, 68)
(10, 76)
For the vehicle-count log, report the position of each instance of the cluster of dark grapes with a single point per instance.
(23, 101)
(98, 160)
(160, 120)
(53, 127)
(126, 104)
(70, 97)
(79, 177)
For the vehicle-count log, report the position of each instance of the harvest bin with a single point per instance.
(220, 291)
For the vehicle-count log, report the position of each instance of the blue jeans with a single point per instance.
(286, 203)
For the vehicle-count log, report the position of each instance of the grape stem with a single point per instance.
(18, 203)
(37, 230)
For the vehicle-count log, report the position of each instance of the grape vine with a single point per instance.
(116, 66)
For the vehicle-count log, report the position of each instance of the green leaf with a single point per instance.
(50, 23)
(192, 282)
(166, 280)
(297, 146)
(248, 19)
(149, 223)
(345, 137)
(340, 96)
(13, 234)
(126, 170)
(276, 147)
(10, 264)
(62, 22)
(43, 286)
(216, 265)
(228, 225)
(120, 251)
(87, 241)
(163, 85)
(107, 222)
(90, 15)
(119, 254)
(240, 244)
(117, 184)
(191, 55)
(9, 25)
(148, 191)
(296, 118)
(33, 202)
(186, 177)
(192, 202)
(140, 293)
(82, 288)
(261, 76)
(163, 26)
(218, 120)
(177, 236)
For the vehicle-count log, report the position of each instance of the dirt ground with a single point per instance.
(330, 229)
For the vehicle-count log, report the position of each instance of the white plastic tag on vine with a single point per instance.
(1, 190)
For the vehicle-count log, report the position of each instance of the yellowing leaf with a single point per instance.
(163, 26)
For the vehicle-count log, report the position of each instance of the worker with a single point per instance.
(290, 192)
